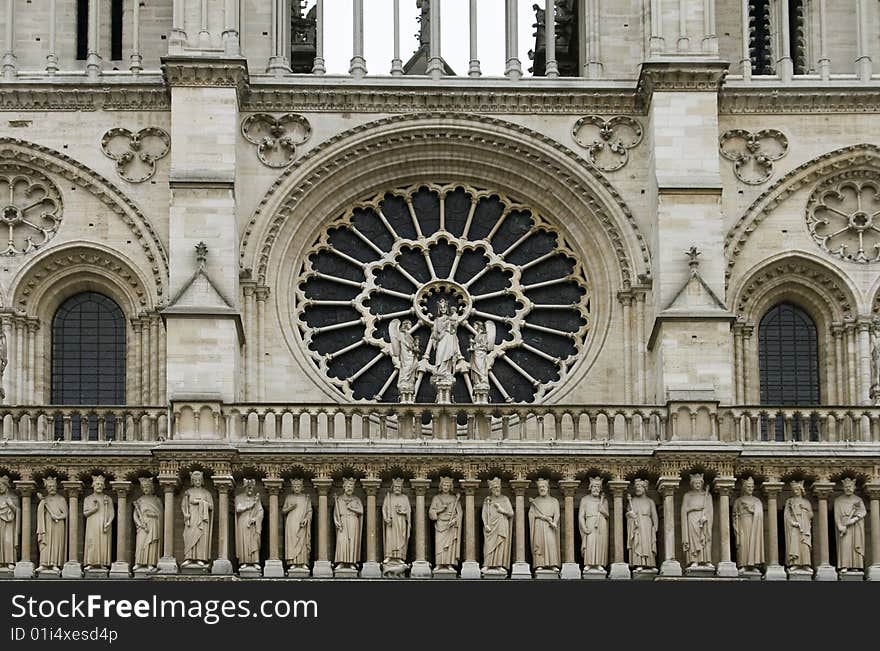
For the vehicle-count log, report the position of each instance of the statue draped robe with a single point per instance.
(642, 523)
(445, 511)
(97, 548)
(297, 528)
(697, 514)
(198, 506)
(398, 510)
(798, 531)
(148, 513)
(10, 528)
(447, 352)
(593, 515)
(497, 513)
(545, 538)
(347, 517)
(51, 535)
(851, 544)
(748, 526)
(248, 528)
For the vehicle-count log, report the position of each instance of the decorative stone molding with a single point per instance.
(863, 156)
(753, 153)
(488, 139)
(776, 99)
(136, 153)
(676, 76)
(843, 215)
(607, 141)
(276, 138)
(21, 151)
(50, 96)
(207, 72)
(30, 208)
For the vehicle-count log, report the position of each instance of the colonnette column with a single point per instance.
(72, 568)
(421, 567)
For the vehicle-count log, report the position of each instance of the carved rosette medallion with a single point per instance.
(607, 141)
(753, 154)
(843, 215)
(30, 208)
(413, 252)
(136, 153)
(276, 139)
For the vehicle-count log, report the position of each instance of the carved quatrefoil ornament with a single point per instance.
(607, 141)
(30, 209)
(843, 215)
(136, 153)
(276, 138)
(753, 153)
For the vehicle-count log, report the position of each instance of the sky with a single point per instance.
(455, 36)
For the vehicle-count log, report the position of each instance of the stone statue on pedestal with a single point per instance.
(642, 525)
(397, 518)
(10, 523)
(447, 354)
(748, 527)
(445, 511)
(148, 520)
(697, 516)
(593, 524)
(875, 361)
(798, 523)
(405, 353)
(849, 519)
(297, 511)
(348, 513)
(544, 528)
(480, 346)
(52, 527)
(99, 513)
(197, 505)
(248, 525)
(497, 516)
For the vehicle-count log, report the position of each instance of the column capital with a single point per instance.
(618, 486)
(261, 292)
(837, 329)
(371, 485)
(469, 486)
(322, 484)
(772, 488)
(273, 485)
(667, 485)
(168, 482)
(822, 489)
(25, 486)
(420, 485)
(568, 486)
(723, 485)
(121, 488)
(519, 486)
(873, 489)
(73, 487)
(223, 483)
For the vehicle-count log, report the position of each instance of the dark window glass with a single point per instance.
(88, 359)
(82, 29)
(116, 30)
(796, 36)
(788, 358)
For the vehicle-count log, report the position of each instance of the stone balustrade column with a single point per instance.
(135, 64)
(570, 567)
(168, 563)
(24, 568)
(551, 67)
(94, 61)
(434, 68)
(119, 569)
(73, 568)
(10, 70)
(775, 571)
(474, 63)
(873, 490)
(864, 20)
(318, 67)
(223, 484)
(512, 65)
(396, 61)
(726, 567)
(371, 568)
(279, 61)
(274, 566)
(421, 567)
(323, 567)
(470, 568)
(619, 567)
(52, 54)
(358, 65)
(521, 569)
(824, 570)
(667, 487)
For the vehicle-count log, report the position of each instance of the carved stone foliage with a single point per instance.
(276, 138)
(607, 141)
(843, 215)
(753, 153)
(30, 208)
(418, 252)
(136, 153)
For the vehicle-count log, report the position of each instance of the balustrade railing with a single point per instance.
(84, 423)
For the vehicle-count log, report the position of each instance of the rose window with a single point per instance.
(843, 216)
(442, 293)
(30, 209)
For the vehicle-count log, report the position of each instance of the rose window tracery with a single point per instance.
(843, 215)
(460, 290)
(30, 209)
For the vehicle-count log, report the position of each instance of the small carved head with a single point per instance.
(147, 485)
(748, 485)
(543, 487)
(406, 325)
(51, 485)
(98, 483)
(397, 485)
(197, 477)
(4, 484)
(595, 486)
(250, 485)
(296, 484)
(348, 485)
(442, 306)
(445, 484)
(797, 487)
(640, 486)
(495, 486)
(697, 481)
(849, 485)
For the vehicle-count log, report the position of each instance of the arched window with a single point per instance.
(88, 356)
(82, 29)
(788, 359)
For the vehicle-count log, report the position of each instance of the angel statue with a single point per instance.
(448, 357)
(405, 353)
(480, 346)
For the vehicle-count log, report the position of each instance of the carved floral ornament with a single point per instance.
(136, 153)
(30, 208)
(753, 153)
(607, 141)
(843, 216)
(276, 138)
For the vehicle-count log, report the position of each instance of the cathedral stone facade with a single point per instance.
(610, 315)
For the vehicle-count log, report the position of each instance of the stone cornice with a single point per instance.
(202, 72)
(680, 75)
(149, 94)
(741, 98)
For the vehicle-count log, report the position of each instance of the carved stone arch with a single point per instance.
(51, 161)
(825, 294)
(854, 157)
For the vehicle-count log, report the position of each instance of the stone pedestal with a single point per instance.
(751, 574)
(322, 570)
(644, 574)
(95, 573)
(167, 565)
(120, 570)
(298, 573)
(494, 573)
(670, 567)
(800, 574)
(469, 570)
(345, 573)
(728, 570)
(570, 571)
(143, 572)
(421, 570)
(251, 572)
(546, 574)
(220, 567)
(775, 573)
(72, 570)
(700, 571)
(50, 573)
(371, 570)
(194, 569)
(594, 574)
(399, 570)
(273, 569)
(521, 571)
(619, 572)
(851, 575)
(826, 573)
(448, 573)
(872, 575)
(23, 570)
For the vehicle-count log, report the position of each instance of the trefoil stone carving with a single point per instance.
(607, 141)
(276, 139)
(136, 153)
(753, 154)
